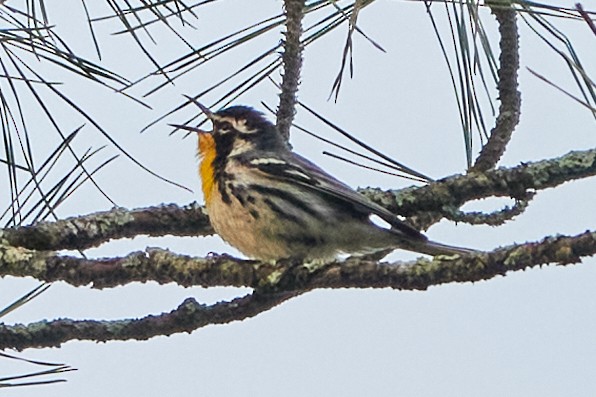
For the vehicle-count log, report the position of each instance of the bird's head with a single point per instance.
(242, 129)
(236, 130)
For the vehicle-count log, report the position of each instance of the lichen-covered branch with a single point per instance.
(495, 218)
(164, 266)
(92, 230)
(422, 205)
(189, 316)
(292, 63)
(446, 194)
(509, 96)
(153, 264)
(276, 283)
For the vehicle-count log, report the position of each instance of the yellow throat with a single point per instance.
(207, 155)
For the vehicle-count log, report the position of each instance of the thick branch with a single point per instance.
(426, 204)
(163, 267)
(510, 98)
(292, 61)
(450, 193)
(153, 264)
(277, 283)
(92, 230)
(188, 317)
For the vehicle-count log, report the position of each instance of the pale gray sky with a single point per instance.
(527, 334)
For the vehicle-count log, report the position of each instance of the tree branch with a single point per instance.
(92, 230)
(510, 97)
(423, 220)
(586, 17)
(292, 61)
(189, 316)
(164, 266)
(452, 192)
(423, 206)
(153, 264)
(282, 281)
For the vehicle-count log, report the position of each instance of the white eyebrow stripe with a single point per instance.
(237, 124)
(240, 125)
(265, 160)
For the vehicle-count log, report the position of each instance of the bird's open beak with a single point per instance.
(203, 108)
(205, 111)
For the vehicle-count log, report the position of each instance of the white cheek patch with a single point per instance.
(380, 222)
(241, 146)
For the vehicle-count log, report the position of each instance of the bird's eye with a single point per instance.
(225, 126)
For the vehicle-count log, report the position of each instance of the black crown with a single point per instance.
(254, 118)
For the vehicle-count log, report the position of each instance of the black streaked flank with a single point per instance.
(283, 214)
(286, 196)
(354, 209)
(225, 197)
(239, 192)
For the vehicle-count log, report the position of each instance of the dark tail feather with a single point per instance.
(433, 248)
(412, 240)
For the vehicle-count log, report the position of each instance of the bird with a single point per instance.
(271, 203)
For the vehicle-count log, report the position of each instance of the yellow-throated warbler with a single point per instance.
(270, 203)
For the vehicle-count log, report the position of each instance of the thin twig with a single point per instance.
(292, 63)
(564, 91)
(510, 97)
(586, 17)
